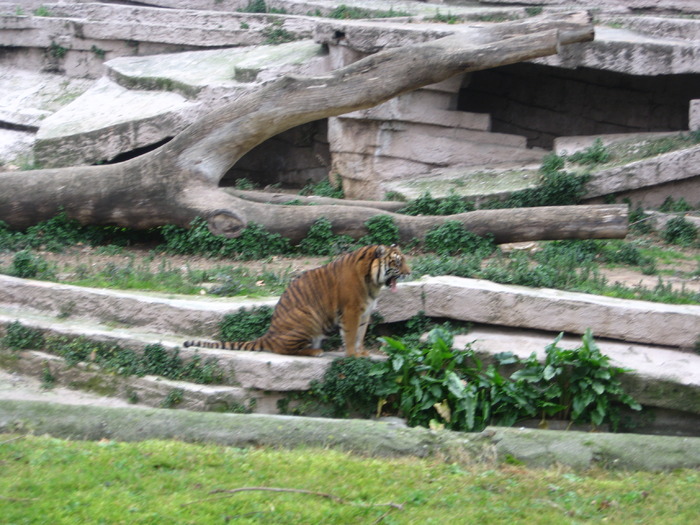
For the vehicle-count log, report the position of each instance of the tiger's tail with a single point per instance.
(249, 346)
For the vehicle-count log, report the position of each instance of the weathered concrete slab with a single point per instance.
(153, 98)
(191, 71)
(625, 51)
(663, 376)
(569, 145)
(88, 33)
(476, 183)
(28, 97)
(195, 316)
(535, 448)
(669, 167)
(108, 120)
(487, 302)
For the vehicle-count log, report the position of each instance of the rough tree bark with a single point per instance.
(179, 181)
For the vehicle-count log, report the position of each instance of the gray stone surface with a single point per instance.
(654, 171)
(535, 448)
(694, 117)
(663, 378)
(487, 302)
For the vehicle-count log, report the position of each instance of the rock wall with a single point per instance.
(543, 102)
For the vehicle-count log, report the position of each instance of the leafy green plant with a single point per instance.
(254, 242)
(432, 384)
(426, 204)
(671, 205)
(450, 238)
(245, 325)
(381, 229)
(324, 188)
(27, 265)
(254, 6)
(595, 154)
(320, 239)
(20, 337)
(347, 387)
(435, 386)
(349, 12)
(680, 231)
(576, 384)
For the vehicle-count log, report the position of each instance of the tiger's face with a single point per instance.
(390, 266)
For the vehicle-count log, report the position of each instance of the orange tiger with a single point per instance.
(341, 293)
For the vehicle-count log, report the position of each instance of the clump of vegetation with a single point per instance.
(27, 265)
(426, 204)
(245, 325)
(381, 229)
(324, 188)
(20, 337)
(275, 34)
(154, 359)
(320, 239)
(557, 188)
(344, 12)
(439, 17)
(680, 231)
(59, 232)
(577, 384)
(451, 238)
(254, 242)
(595, 154)
(347, 387)
(671, 205)
(431, 384)
(254, 6)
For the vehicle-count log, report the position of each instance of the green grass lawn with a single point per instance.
(47, 480)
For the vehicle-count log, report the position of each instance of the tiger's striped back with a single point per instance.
(341, 293)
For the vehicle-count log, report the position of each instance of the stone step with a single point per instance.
(574, 144)
(145, 100)
(480, 301)
(189, 72)
(475, 183)
(133, 320)
(108, 120)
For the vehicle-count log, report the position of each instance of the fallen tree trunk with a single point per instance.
(179, 181)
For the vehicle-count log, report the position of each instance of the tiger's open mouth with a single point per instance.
(391, 283)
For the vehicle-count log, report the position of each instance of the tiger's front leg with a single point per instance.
(353, 332)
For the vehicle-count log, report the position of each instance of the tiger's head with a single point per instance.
(388, 266)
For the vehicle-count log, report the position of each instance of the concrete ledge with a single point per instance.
(194, 316)
(545, 309)
(669, 167)
(535, 448)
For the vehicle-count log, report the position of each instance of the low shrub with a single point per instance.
(245, 325)
(680, 231)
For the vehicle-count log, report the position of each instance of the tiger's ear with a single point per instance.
(380, 251)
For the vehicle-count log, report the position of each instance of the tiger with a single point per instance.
(340, 294)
